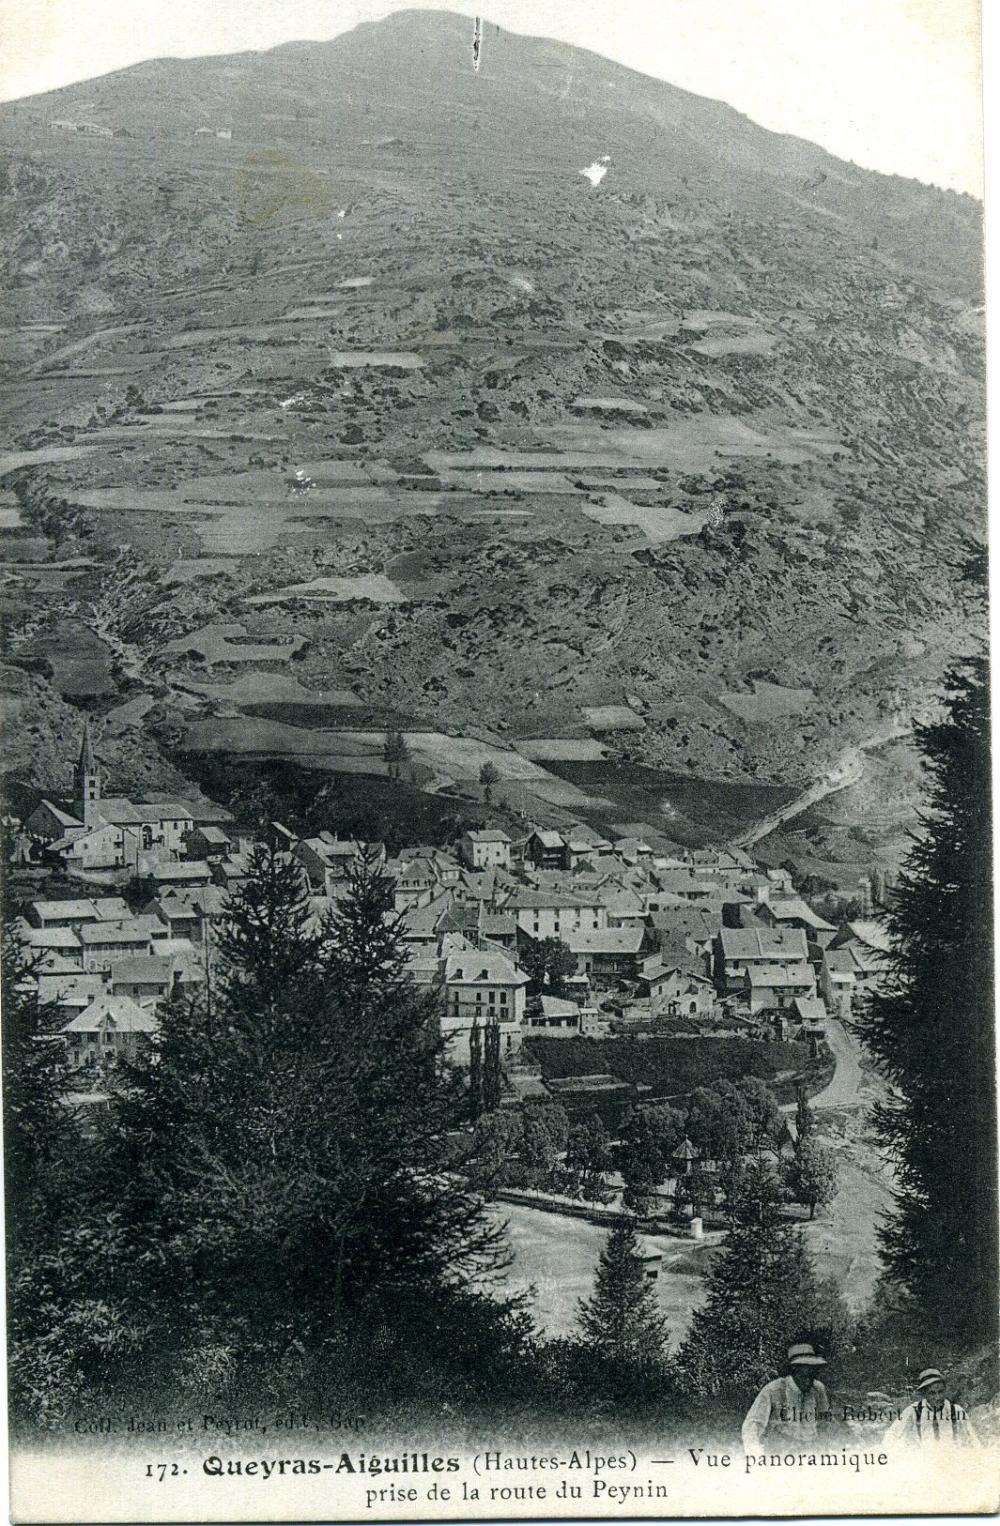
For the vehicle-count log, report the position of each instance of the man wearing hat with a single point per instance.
(787, 1413)
(931, 1420)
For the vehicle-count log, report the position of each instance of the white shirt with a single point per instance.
(784, 1417)
(924, 1424)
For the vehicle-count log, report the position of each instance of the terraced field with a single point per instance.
(380, 428)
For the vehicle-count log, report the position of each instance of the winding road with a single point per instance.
(844, 1087)
(847, 771)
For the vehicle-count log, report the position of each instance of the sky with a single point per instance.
(893, 85)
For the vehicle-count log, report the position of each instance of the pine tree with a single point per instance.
(929, 1026)
(291, 1161)
(475, 1070)
(39, 1133)
(492, 1076)
(620, 1321)
(761, 1295)
(803, 1114)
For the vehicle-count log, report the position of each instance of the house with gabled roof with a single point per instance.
(773, 987)
(64, 913)
(554, 914)
(854, 962)
(609, 954)
(793, 911)
(675, 991)
(482, 986)
(485, 849)
(110, 1028)
(553, 1017)
(737, 950)
(546, 849)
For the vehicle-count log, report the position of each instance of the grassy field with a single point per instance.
(700, 810)
(557, 1257)
(310, 800)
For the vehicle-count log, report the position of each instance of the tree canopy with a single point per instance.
(929, 1025)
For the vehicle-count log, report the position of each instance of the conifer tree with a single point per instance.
(291, 1162)
(492, 1078)
(475, 1070)
(929, 1025)
(621, 1321)
(761, 1294)
(39, 1133)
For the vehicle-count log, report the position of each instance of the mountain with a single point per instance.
(534, 106)
(617, 419)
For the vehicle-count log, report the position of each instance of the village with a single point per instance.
(557, 935)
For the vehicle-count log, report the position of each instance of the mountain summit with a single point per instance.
(533, 107)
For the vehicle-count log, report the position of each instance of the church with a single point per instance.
(98, 832)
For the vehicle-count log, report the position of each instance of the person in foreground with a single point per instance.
(932, 1419)
(787, 1413)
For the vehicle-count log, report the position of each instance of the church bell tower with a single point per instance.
(87, 780)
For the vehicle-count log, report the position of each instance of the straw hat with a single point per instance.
(929, 1376)
(804, 1355)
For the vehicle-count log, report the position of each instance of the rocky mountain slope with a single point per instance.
(701, 441)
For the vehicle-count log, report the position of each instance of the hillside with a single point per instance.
(678, 467)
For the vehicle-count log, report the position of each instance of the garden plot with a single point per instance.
(487, 481)
(768, 702)
(463, 757)
(648, 327)
(701, 319)
(458, 758)
(608, 405)
(130, 714)
(229, 643)
(400, 360)
(80, 661)
(689, 445)
(270, 688)
(244, 533)
(45, 455)
(658, 522)
(524, 795)
(715, 345)
(554, 749)
(324, 314)
(612, 718)
(373, 586)
(631, 484)
(355, 752)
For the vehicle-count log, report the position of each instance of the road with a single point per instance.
(847, 771)
(844, 1086)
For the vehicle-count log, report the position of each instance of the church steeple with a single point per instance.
(87, 779)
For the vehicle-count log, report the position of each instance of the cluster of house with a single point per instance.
(709, 938)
